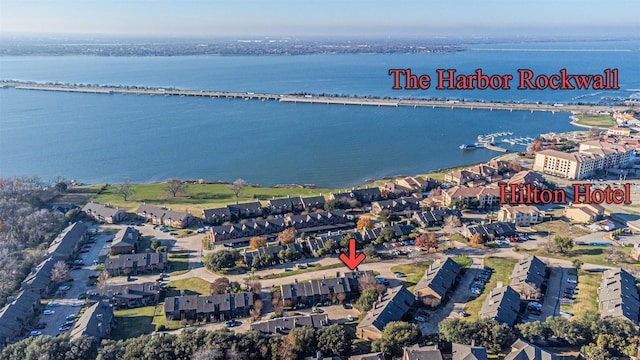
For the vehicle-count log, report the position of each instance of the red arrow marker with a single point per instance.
(353, 259)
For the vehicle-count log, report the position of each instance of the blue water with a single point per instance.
(104, 138)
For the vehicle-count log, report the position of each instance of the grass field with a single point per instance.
(603, 121)
(191, 286)
(178, 262)
(559, 227)
(413, 271)
(585, 253)
(312, 267)
(586, 298)
(502, 268)
(195, 197)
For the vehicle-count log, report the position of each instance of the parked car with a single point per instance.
(77, 303)
(64, 328)
(53, 304)
(231, 323)
(49, 312)
(35, 333)
(399, 275)
(64, 288)
(316, 310)
(71, 317)
(420, 318)
(41, 325)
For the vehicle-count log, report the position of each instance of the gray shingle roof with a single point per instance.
(522, 350)
(392, 306)
(285, 324)
(502, 304)
(440, 276)
(65, 243)
(529, 269)
(96, 321)
(618, 295)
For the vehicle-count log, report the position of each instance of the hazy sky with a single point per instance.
(318, 18)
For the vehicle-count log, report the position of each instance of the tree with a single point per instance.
(386, 234)
(615, 255)
(531, 291)
(385, 216)
(365, 222)
(60, 272)
(563, 243)
(219, 260)
(304, 340)
(287, 236)
(577, 264)
(458, 203)
(237, 186)
(174, 186)
(257, 242)
(532, 331)
(125, 189)
(219, 286)
(398, 334)
(366, 299)
(594, 352)
(451, 223)
(333, 340)
(370, 251)
(476, 239)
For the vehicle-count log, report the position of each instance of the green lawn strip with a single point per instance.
(414, 272)
(197, 196)
(586, 253)
(178, 262)
(502, 269)
(133, 322)
(191, 286)
(604, 121)
(586, 297)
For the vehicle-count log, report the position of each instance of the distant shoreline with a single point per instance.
(315, 99)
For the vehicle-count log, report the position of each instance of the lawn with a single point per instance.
(502, 268)
(413, 271)
(178, 262)
(586, 253)
(196, 197)
(134, 322)
(603, 121)
(559, 227)
(586, 298)
(312, 267)
(191, 286)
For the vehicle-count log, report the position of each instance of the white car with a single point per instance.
(35, 333)
(49, 312)
(77, 303)
(53, 304)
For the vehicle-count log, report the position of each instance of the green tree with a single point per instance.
(219, 260)
(577, 264)
(398, 334)
(533, 331)
(304, 340)
(386, 235)
(385, 216)
(366, 300)
(370, 251)
(563, 243)
(333, 340)
(593, 352)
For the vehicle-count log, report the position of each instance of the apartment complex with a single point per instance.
(590, 157)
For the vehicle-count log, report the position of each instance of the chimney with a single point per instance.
(318, 355)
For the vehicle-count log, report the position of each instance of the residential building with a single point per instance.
(392, 305)
(126, 296)
(39, 280)
(416, 183)
(502, 304)
(364, 196)
(437, 281)
(490, 231)
(16, 316)
(392, 190)
(468, 352)
(618, 295)
(528, 177)
(216, 216)
(584, 213)
(135, 264)
(245, 210)
(326, 290)
(483, 197)
(417, 352)
(369, 356)
(395, 205)
(249, 255)
(522, 350)
(399, 231)
(435, 216)
(530, 270)
(313, 203)
(618, 130)
(521, 215)
(220, 307)
(285, 205)
(125, 241)
(163, 216)
(635, 253)
(97, 321)
(320, 242)
(68, 242)
(612, 155)
(284, 325)
(104, 213)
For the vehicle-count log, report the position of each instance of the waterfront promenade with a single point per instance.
(315, 99)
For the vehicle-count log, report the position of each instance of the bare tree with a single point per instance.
(60, 272)
(257, 309)
(174, 186)
(208, 354)
(367, 282)
(102, 278)
(125, 189)
(451, 223)
(237, 186)
(531, 291)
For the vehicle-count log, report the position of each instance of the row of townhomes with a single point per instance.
(407, 186)
(275, 206)
(136, 264)
(396, 205)
(249, 255)
(480, 174)
(164, 216)
(125, 241)
(502, 304)
(438, 281)
(209, 308)
(329, 290)
(126, 296)
(521, 215)
(530, 270)
(618, 295)
(217, 216)
(363, 196)
(592, 156)
(520, 350)
(491, 230)
(97, 321)
(284, 325)
(104, 213)
(434, 217)
(15, 317)
(312, 222)
(392, 305)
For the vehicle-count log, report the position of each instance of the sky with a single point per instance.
(414, 18)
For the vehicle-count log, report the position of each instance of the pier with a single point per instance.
(314, 99)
